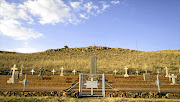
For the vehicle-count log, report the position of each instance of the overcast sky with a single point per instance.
(37, 25)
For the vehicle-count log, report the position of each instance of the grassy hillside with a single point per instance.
(79, 58)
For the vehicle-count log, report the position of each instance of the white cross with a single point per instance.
(12, 79)
(74, 71)
(137, 72)
(145, 69)
(61, 71)
(173, 79)
(158, 72)
(126, 75)
(167, 74)
(115, 71)
(32, 71)
(53, 71)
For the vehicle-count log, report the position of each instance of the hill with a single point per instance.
(79, 58)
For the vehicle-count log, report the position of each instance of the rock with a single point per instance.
(169, 95)
(26, 94)
(143, 94)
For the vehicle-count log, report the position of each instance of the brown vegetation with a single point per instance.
(79, 58)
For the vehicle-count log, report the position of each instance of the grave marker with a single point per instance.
(41, 74)
(137, 72)
(32, 71)
(126, 75)
(21, 73)
(53, 71)
(158, 72)
(145, 69)
(173, 79)
(158, 83)
(25, 81)
(62, 71)
(74, 71)
(167, 73)
(115, 71)
(12, 79)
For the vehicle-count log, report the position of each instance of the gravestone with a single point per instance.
(93, 65)
(145, 69)
(25, 81)
(74, 71)
(158, 83)
(21, 73)
(53, 71)
(137, 72)
(167, 73)
(115, 71)
(173, 79)
(62, 71)
(12, 79)
(146, 76)
(16, 74)
(126, 75)
(158, 72)
(41, 74)
(93, 68)
(32, 71)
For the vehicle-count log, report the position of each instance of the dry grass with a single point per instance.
(79, 58)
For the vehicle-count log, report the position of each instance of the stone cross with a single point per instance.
(126, 75)
(32, 71)
(53, 71)
(74, 71)
(41, 73)
(62, 71)
(167, 73)
(25, 81)
(137, 72)
(145, 69)
(115, 71)
(21, 73)
(173, 79)
(12, 79)
(158, 83)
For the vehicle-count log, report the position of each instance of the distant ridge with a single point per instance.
(107, 58)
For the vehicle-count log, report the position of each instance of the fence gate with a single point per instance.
(91, 84)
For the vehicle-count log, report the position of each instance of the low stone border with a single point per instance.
(75, 94)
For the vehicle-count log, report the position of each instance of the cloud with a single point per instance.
(49, 11)
(115, 2)
(25, 49)
(83, 16)
(11, 26)
(105, 6)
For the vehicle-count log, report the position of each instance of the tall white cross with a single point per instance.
(115, 71)
(53, 71)
(61, 71)
(173, 79)
(126, 75)
(12, 79)
(21, 73)
(167, 74)
(74, 71)
(158, 83)
(137, 72)
(145, 69)
(32, 71)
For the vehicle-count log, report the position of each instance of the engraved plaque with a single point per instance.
(91, 84)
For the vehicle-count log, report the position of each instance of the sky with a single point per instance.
(29, 26)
